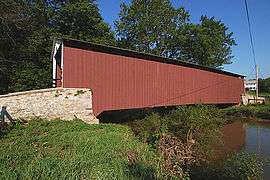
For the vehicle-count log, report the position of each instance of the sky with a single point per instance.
(233, 14)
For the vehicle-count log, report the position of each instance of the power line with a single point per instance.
(263, 74)
(250, 75)
(250, 33)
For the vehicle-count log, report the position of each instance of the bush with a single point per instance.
(203, 123)
(243, 166)
(250, 111)
(200, 125)
(242, 111)
(149, 129)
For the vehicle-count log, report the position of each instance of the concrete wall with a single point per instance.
(64, 103)
(251, 99)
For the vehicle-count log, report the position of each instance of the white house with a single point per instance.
(250, 84)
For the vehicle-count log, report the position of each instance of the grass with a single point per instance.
(250, 111)
(41, 149)
(234, 167)
(74, 150)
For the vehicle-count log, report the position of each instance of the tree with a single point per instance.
(15, 27)
(155, 26)
(207, 43)
(264, 85)
(148, 26)
(26, 31)
(82, 20)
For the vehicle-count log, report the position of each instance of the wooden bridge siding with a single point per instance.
(120, 82)
(58, 76)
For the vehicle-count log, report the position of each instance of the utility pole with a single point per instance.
(257, 96)
(257, 82)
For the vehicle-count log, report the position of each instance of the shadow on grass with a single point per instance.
(129, 115)
(5, 129)
(139, 171)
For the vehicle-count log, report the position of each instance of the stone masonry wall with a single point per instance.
(63, 103)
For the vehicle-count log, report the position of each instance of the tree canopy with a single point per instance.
(26, 31)
(159, 28)
(264, 85)
(149, 26)
(82, 20)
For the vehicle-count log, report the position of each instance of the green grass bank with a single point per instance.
(75, 150)
(139, 149)
(255, 112)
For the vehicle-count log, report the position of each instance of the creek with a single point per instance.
(248, 137)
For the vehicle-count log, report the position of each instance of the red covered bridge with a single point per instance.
(125, 79)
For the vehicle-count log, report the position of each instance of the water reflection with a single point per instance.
(258, 141)
(248, 137)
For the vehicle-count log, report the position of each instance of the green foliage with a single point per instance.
(14, 29)
(203, 122)
(237, 166)
(74, 150)
(208, 43)
(147, 26)
(264, 85)
(26, 29)
(243, 166)
(149, 129)
(159, 28)
(82, 20)
(3, 81)
(250, 111)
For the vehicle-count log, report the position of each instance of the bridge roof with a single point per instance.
(131, 53)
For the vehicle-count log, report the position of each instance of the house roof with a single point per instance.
(131, 53)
